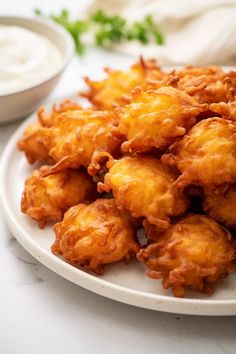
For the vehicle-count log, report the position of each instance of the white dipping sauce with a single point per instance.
(26, 58)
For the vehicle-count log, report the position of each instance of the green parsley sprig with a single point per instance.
(107, 30)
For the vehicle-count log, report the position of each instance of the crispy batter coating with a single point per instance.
(232, 76)
(95, 234)
(222, 207)
(225, 110)
(144, 186)
(103, 94)
(195, 252)
(155, 118)
(47, 199)
(207, 84)
(78, 137)
(206, 156)
(34, 143)
(49, 120)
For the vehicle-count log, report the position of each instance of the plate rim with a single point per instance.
(164, 303)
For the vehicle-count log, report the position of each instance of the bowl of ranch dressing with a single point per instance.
(34, 54)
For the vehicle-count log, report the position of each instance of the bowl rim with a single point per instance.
(44, 22)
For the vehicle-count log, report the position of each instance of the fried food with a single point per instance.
(34, 143)
(96, 234)
(144, 186)
(164, 143)
(207, 84)
(195, 252)
(232, 76)
(49, 120)
(206, 156)
(88, 133)
(103, 94)
(156, 118)
(225, 110)
(47, 199)
(222, 207)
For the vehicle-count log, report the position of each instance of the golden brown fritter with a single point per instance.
(78, 137)
(222, 207)
(144, 186)
(103, 94)
(47, 199)
(156, 118)
(232, 76)
(195, 252)
(34, 143)
(225, 110)
(49, 120)
(207, 84)
(95, 234)
(206, 156)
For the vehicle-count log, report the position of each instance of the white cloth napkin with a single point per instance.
(196, 31)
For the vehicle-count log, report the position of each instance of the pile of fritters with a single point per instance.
(151, 144)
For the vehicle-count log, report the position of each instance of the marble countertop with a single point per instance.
(40, 312)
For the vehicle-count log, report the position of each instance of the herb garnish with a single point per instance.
(107, 30)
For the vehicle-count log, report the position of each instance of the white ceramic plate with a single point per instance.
(121, 282)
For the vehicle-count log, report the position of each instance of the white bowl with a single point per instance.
(19, 104)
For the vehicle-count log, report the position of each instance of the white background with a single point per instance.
(42, 313)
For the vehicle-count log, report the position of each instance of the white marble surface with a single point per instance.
(42, 313)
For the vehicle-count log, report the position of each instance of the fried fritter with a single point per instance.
(95, 234)
(232, 76)
(34, 143)
(49, 120)
(207, 84)
(225, 110)
(144, 186)
(103, 94)
(155, 118)
(222, 207)
(196, 252)
(206, 156)
(47, 199)
(78, 137)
